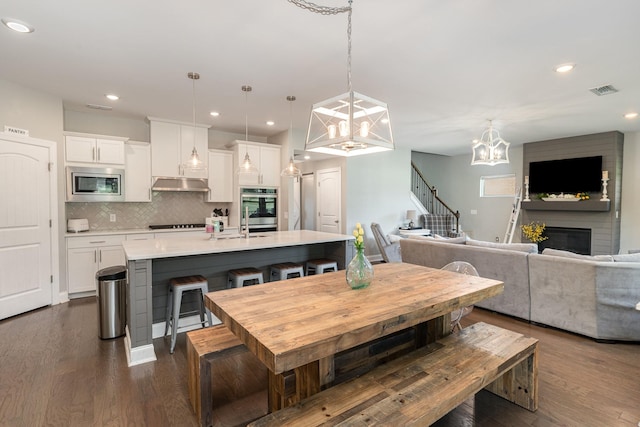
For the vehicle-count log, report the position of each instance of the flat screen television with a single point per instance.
(575, 175)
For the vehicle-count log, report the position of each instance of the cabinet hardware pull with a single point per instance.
(98, 241)
(98, 154)
(93, 153)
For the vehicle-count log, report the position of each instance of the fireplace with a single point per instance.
(577, 240)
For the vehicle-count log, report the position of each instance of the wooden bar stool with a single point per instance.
(241, 276)
(321, 265)
(177, 287)
(286, 270)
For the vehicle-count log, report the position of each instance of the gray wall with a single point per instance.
(378, 188)
(458, 184)
(630, 202)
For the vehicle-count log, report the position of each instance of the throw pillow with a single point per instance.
(635, 257)
(530, 248)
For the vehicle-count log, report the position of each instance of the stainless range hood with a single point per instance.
(163, 183)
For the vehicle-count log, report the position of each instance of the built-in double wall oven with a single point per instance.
(261, 206)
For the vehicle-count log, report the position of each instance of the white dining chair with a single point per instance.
(461, 267)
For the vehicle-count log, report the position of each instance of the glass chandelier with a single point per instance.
(291, 171)
(194, 163)
(491, 149)
(247, 166)
(349, 124)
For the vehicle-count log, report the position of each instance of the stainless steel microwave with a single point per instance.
(95, 184)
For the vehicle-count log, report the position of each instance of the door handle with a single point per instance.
(336, 221)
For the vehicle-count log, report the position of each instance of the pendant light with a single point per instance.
(491, 149)
(291, 170)
(194, 163)
(247, 166)
(349, 124)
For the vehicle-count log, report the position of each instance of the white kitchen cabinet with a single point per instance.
(86, 255)
(220, 176)
(96, 149)
(137, 181)
(266, 157)
(171, 147)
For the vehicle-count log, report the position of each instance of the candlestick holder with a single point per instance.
(604, 189)
(526, 192)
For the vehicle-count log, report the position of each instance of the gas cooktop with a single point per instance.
(169, 226)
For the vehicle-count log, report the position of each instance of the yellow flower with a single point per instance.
(533, 232)
(358, 233)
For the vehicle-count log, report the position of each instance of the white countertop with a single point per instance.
(165, 248)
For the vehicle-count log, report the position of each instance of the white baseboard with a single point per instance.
(157, 330)
(63, 297)
(138, 355)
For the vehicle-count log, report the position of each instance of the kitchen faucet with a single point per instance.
(246, 222)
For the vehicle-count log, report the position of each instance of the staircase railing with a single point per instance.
(428, 196)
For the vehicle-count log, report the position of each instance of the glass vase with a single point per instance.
(359, 271)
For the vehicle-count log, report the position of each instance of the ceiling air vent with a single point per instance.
(603, 90)
(99, 107)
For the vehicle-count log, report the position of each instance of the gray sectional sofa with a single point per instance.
(592, 296)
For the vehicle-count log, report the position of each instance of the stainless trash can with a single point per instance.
(112, 298)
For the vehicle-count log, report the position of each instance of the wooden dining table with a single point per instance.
(296, 327)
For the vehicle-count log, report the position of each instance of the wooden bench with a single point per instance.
(424, 385)
(203, 346)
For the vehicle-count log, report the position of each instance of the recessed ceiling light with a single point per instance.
(271, 123)
(19, 26)
(307, 157)
(214, 113)
(564, 68)
(631, 115)
(112, 97)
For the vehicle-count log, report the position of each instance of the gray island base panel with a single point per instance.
(153, 263)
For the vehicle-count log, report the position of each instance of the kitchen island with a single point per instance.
(151, 264)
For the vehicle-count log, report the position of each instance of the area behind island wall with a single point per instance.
(149, 279)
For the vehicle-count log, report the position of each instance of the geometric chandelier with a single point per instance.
(349, 124)
(491, 149)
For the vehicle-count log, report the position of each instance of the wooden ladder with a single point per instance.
(513, 220)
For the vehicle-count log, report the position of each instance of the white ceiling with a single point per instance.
(443, 67)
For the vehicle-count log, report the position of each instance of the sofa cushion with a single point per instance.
(531, 248)
(567, 254)
(437, 238)
(635, 257)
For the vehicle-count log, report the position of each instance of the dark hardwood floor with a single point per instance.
(55, 371)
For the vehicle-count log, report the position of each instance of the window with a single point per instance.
(498, 186)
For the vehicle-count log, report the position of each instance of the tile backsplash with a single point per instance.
(164, 208)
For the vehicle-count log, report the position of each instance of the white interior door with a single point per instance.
(328, 200)
(308, 202)
(25, 233)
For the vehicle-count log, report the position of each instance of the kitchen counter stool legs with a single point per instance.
(286, 270)
(177, 287)
(320, 266)
(244, 276)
